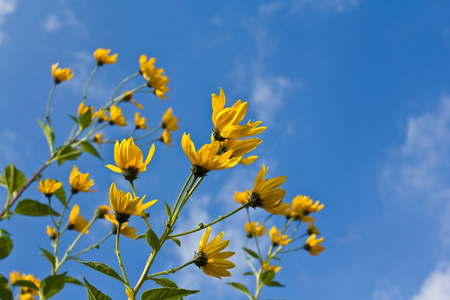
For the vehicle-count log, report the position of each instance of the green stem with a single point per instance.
(131, 132)
(151, 141)
(50, 210)
(148, 133)
(247, 258)
(92, 246)
(89, 82)
(171, 271)
(47, 116)
(119, 98)
(119, 258)
(121, 84)
(256, 238)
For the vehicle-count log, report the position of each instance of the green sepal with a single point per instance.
(26, 283)
(67, 152)
(153, 240)
(168, 211)
(6, 244)
(48, 255)
(242, 288)
(102, 268)
(14, 178)
(5, 289)
(93, 293)
(164, 282)
(49, 135)
(85, 119)
(251, 253)
(141, 236)
(274, 283)
(267, 276)
(52, 285)
(88, 148)
(33, 208)
(176, 241)
(72, 280)
(60, 194)
(166, 293)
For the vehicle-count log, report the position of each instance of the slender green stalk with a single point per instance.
(119, 98)
(180, 194)
(256, 238)
(132, 188)
(89, 82)
(171, 271)
(131, 132)
(149, 142)
(148, 133)
(92, 246)
(121, 84)
(248, 258)
(50, 210)
(119, 258)
(47, 116)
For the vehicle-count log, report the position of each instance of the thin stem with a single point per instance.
(248, 258)
(122, 83)
(92, 246)
(119, 258)
(47, 116)
(131, 132)
(89, 82)
(256, 238)
(171, 271)
(50, 210)
(151, 141)
(148, 133)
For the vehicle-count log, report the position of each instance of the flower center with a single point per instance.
(254, 200)
(217, 136)
(200, 259)
(122, 217)
(198, 171)
(130, 173)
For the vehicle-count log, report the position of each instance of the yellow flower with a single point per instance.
(102, 211)
(129, 159)
(210, 258)
(205, 159)
(48, 187)
(51, 232)
(241, 197)
(267, 194)
(166, 137)
(80, 182)
(312, 229)
(128, 97)
(128, 231)
(303, 206)
(82, 109)
(78, 223)
(277, 237)
(116, 116)
(146, 67)
(98, 138)
(25, 292)
(240, 148)
(124, 205)
(253, 230)
(313, 246)
(60, 75)
(169, 121)
(101, 115)
(158, 83)
(140, 122)
(102, 56)
(154, 76)
(266, 267)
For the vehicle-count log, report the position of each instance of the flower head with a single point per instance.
(82, 109)
(116, 116)
(240, 148)
(77, 223)
(102, 56)
(129, 159)
(80, 182)
(166, 137)
(124, 205)
(51, 232)
(60, 75)
(253, 230)
(210, 258)
(128, 97)
(48, 187)
(267, 193)
(206, 158)
(312, 229)
(146, 66)
(313, 246)
(303, 206)
(140, 122)
(98, 138)
(128, 231)
(26, 293)
(241, 197)
(101, 115)
(278, 238)
(266, 267)
(169, 121)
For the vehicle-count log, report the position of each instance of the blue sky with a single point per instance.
(355, 95)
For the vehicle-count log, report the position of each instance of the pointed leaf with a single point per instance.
(251, 253)
(73, 281)
(274, 284)
(67, 153)
(166, 293)
(26, 283)
(33, 208)
(176, 241)
(242, 288)
(152, 240)
(51, 285)
(168, 212)
(141, 236)
(60, 194)
(6, 244)
(5, 289)
(93, 293)
(73, 118)
(14, 178)
(48, 255)
(102, 268)
(87, 147)
(3, 181)
(267, 276)
(49, 135)
(86, 119)
(164, 282)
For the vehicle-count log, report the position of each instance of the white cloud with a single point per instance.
(385, 290)
(335, 6)
(436, 286)
(64, 19)
(6, 7)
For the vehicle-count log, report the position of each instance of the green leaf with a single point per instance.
(168, 212)
(3, 181)
(164, 282)
(51, 285)
(102, 268)
(176, 241)
(26, 283)
(33, 208)
(48, 255)
(251, 253)
(87, 147)
(93, 293)
(267, 276)
(73, 281)
(274, 284)
(60, 194)
(67, 152)
(242, 288)
(248, 273)
(85, 119)
(152, 240)
(5, 289)
(6, 244)
(141, 236)
(14, 178)
(73, 118)
(49, 135)
(166, 293)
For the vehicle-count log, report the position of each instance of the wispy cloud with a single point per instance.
(334, 6)
(7, 7)
(436, 285)
(386, 290)
(64, 19)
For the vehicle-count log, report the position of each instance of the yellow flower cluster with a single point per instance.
(154, 76)
(26, 293)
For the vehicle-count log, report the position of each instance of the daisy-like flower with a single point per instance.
(158, 83)
(205, 159)
(60, 75)
(76, 222)
(101, 115)
(267, 193)
(82, 109)
(98, 138)
(129, 159)
(128, 231)
(241, 197)
(253, 230)
(240, 148)
(303, 206)
(210, 258)
(80, 182)
(154, 76)
(102, 211)
(116, 116)
(128, 97)
(146, 66)
(266, 267)
(139, 122)
(166, 137)
(169, 121)
(51, 232)
(48, 187)
(278, 238)
(124, 205)
(312, 229)
(313, 246)
(102, 56)
(26, 293)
